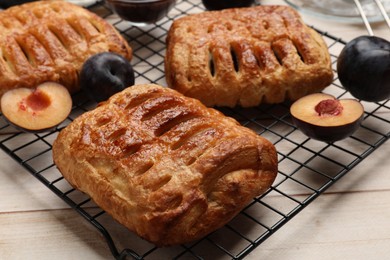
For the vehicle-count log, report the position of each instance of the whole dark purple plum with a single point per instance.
(363, 68)
(104, 74)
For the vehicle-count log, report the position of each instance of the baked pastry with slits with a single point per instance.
(163, 164)
(49, 41)
(246, 56)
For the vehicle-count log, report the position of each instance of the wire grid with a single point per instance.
(306, 167)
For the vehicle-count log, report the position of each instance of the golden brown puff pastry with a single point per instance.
(163, 164)
(246, 56)
(49, 41)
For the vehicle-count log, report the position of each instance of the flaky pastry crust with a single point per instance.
(246, 56)
(49, 41)
(163, 164)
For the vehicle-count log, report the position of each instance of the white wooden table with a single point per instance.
(348, 221)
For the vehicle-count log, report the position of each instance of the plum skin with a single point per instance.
(327, 134)
(364, 68)
(104, 74)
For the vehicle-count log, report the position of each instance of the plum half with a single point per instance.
(323, 117)
(39, 109)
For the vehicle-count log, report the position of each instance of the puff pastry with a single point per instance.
(246, 56)
(49, 41)
(163, 164)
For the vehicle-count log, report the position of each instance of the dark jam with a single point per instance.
(9, 3)
(142, 12)
(223, 4)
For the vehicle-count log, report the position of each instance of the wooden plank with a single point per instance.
(20, 191)
(352, 225)
(54, 234)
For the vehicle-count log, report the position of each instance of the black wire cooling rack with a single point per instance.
(306, 167)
